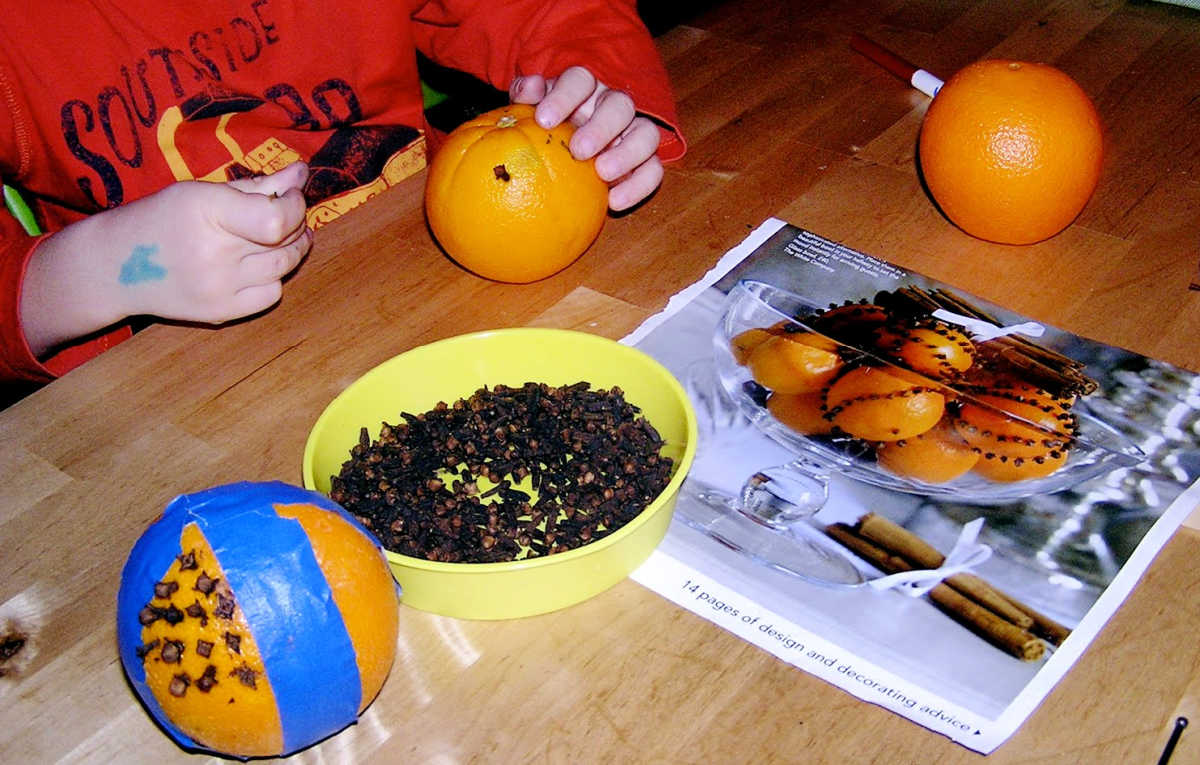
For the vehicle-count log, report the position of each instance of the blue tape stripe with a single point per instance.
(308, 655)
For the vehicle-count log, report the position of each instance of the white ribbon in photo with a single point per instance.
(985, 330)
(966, 555)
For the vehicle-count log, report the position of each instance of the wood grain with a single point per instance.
(784, 120)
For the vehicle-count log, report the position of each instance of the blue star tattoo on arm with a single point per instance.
(140, 268)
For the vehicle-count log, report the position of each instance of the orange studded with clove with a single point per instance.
(744, 343)
(242, 604)
(802, 412)
(850, 318)
(883, 405)
(936, 456)
(1019, 433)
(937, 350)
(507, 200)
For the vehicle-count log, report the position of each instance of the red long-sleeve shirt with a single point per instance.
(105, 101)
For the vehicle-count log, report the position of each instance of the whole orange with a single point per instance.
(1011, 150)
(800, 362)
(938, 350)
(802, 412)
(506, 199)
(883, 405)
(936, 456)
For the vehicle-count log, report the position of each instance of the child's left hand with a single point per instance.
(609, 129)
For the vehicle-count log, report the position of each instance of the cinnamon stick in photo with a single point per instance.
(909, 546)
(899, 540)
(1043, 626)
(867, 550)
(999, 632)
(996, 630)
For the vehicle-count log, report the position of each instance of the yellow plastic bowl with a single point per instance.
(455, 368)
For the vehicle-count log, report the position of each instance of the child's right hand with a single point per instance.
(214, 252)
(194, 251)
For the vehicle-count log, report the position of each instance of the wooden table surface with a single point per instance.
(783, 120)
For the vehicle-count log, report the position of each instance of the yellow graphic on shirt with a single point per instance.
(273, 154)
(399, 166)
(266, 158)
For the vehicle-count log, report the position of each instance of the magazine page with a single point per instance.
(911, 493)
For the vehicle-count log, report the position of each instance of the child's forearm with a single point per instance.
(71, 285)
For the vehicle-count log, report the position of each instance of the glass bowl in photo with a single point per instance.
(936, 404)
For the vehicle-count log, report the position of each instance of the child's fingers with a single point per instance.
(272, 265)
(635, 145)
(528, 89)
(294, 176)
(259, 297)
(611, 118)
(261, 275)
(266, 220)
(569, 92)
(638, 185)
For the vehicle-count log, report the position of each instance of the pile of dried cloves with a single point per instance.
(505, 474)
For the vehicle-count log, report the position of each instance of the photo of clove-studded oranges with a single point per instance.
(255, 619)
(506, 199)
(923, 391)
(912, 390)
(1011, 151)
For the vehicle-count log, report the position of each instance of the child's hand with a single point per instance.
(194, 251)
(609, 129)
(214, 252)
